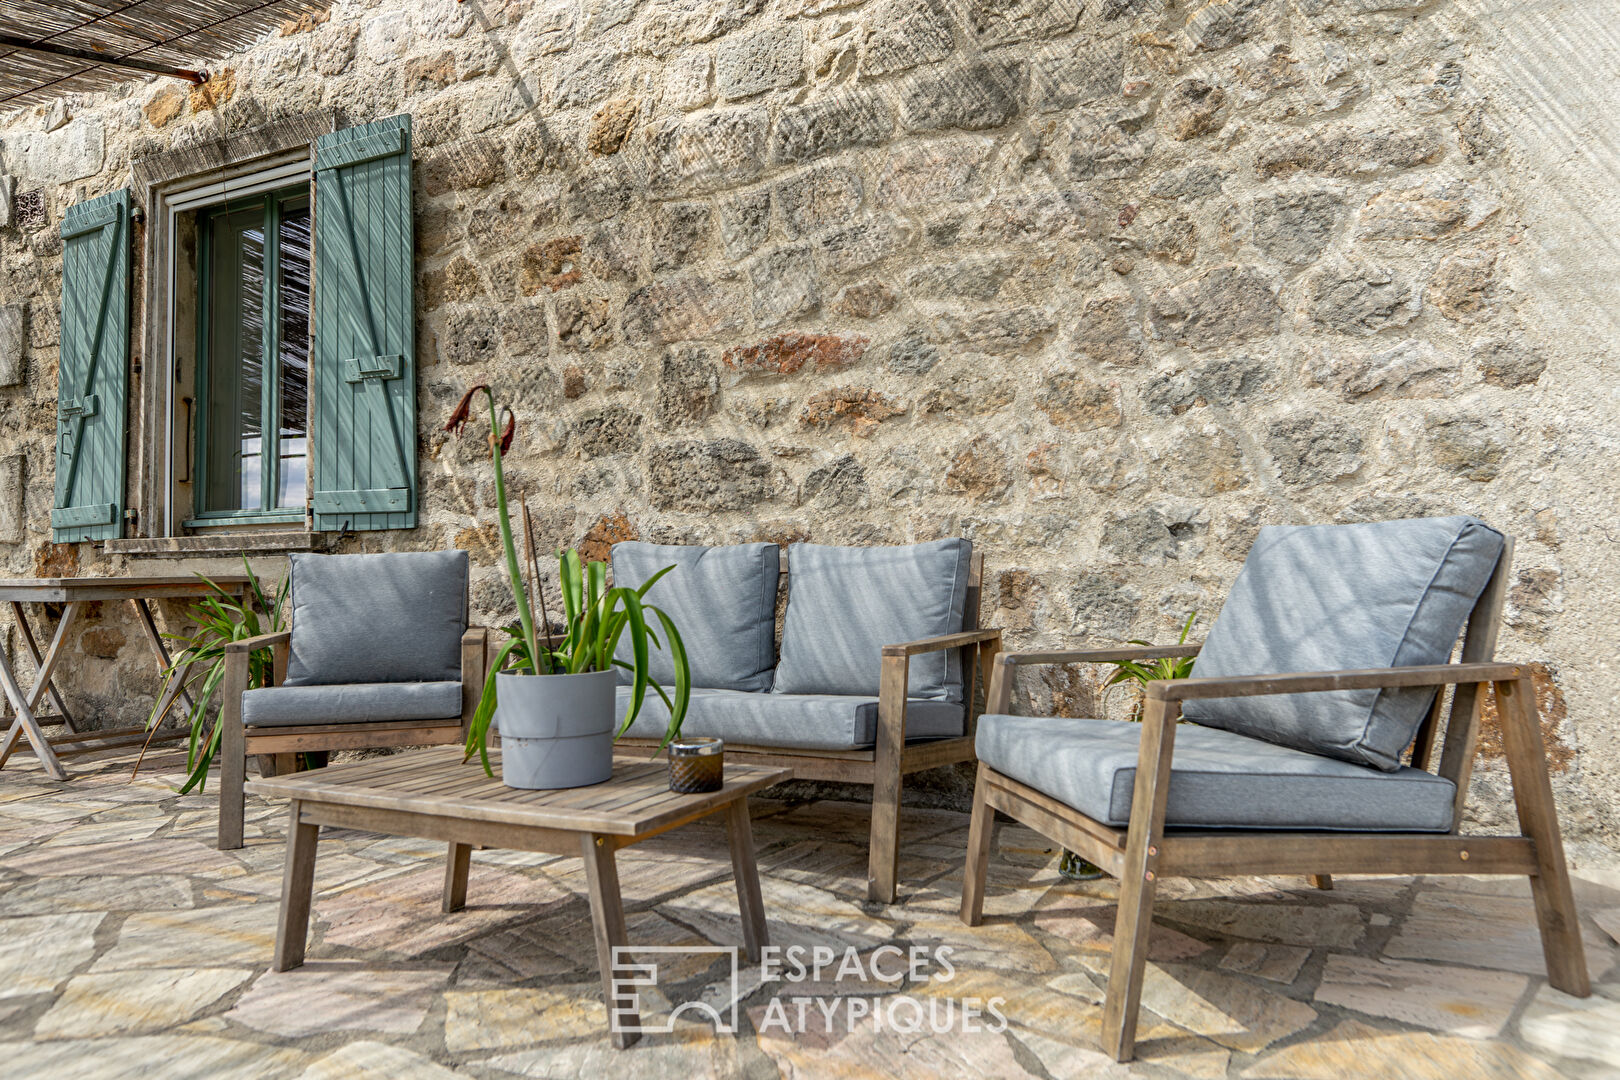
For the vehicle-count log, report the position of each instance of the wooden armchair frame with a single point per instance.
(277, 746)
(1143, 852)
(885, 766)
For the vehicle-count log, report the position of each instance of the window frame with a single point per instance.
(162, 443)
(273, 203)
(168, 187)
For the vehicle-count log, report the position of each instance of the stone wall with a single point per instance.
(1104, 287)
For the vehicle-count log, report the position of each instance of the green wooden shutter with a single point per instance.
(364, 368)
(93, 371)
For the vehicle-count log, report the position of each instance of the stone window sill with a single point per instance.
(185, 547)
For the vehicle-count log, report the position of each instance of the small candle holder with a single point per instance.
(696, 765)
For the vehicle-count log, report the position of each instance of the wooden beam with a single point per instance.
(1232, 854)
(1097, 850)
(89, 56)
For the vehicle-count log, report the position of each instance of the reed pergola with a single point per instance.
(53, 47)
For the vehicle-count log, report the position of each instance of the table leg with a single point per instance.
(740, 835)
(46, 671)
(455, 877)
(24, 724)
(33, 651)
(607, 919)
(297, 889)
(144, 615)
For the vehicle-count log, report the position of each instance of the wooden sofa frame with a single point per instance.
(1143, 852)
(277, 747)
(885, 766)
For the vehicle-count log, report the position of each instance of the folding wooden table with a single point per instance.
(73, 594)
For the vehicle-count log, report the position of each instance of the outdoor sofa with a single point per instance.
(879, 661)
(1317, 706)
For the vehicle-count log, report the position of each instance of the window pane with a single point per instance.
(293, 304)
(234, 403)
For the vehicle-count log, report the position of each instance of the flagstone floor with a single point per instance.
(130, 947)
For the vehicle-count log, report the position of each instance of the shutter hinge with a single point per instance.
(132, 516)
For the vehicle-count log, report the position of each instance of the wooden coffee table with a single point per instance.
(432, 794)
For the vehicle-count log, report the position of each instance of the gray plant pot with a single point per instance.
(556, 730)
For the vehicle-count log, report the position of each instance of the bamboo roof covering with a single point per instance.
(179, 34)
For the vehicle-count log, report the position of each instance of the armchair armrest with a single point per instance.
(999, 698)
(942, 642)
(1319, 681)
(262, 641)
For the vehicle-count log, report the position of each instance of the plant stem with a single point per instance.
(514, 571)
(539, 582)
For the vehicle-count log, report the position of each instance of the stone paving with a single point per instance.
(130, 947)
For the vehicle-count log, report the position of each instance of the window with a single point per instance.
(253, 358)
(275, 392)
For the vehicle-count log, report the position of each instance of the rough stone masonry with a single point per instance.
(1105, 286)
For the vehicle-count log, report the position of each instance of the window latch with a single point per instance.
(82, 407)
(369, 368)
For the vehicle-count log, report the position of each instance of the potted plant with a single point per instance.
(551, 697)
(1138, 673)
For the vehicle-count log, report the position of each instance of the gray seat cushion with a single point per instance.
(797, 721)
(1217, 779)
(1332, 597)
(721, 599)
(288, 706)
(395, 617)
(846, 603)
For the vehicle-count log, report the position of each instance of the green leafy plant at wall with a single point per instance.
(221, 617)
(1138, 673)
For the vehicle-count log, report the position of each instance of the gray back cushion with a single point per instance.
(721, 599)
(846, 603)
(395, 617)
(1332, 597)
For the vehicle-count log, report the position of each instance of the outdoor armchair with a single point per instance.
(1294, 764)
(378, 654)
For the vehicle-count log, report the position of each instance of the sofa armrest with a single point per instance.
(942, 642)
(262, 641)
(474, 669)
(1320, 681)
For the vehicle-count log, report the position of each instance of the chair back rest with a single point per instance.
(722, 600)
(391, 617)
(1462, 719)
(1321, 598)
(731, 586)
(971, 612)
(974, 687)
(846, 602)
